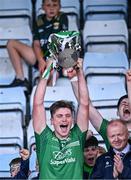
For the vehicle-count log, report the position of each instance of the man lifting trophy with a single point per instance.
(64, 48)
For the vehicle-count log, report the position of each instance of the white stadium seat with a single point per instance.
(105, 9)
(13, 103)
(105, 67)
(105, 36)
(15, 8)
(7, 73)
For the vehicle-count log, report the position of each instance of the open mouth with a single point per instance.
(91, 160)
(126, 112)
(63, 127)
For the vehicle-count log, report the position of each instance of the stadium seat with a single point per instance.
(105, 9)
(73, 3)
(15, 29)
(33, 158)
(33, 175)
(11, 139)
(11, 134)
(13, 104)
(7, 73)
(16, 8)
(105, 67)
(12, 119)
(19, 29)
(105, 36)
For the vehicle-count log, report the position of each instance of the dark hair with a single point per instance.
(121, 98)
(92, 141)
(43, 1)
(15, 161)
(61, 104)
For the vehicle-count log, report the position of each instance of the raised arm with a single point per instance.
(24, 167)
(39, 114)
(83, 107)
(94, 116)
(24, 153)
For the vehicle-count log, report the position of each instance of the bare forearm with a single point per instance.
(75, 89)
(83, 110)
(40, 92)
(94, 116)
(39, 115)
(83, 90)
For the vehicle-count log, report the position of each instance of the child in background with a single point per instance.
(51, 22)
(90, 156)
(19, 167)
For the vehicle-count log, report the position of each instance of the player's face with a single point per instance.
(90, 155)
(124, 111)
(62, 121)
(118, 136)
(51, 8)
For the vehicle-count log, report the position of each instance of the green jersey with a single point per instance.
(87, 171)
(60, 159)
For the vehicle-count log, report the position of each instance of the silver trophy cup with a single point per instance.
(65, 47)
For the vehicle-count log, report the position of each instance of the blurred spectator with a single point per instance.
(90, 155)
(19, 167)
